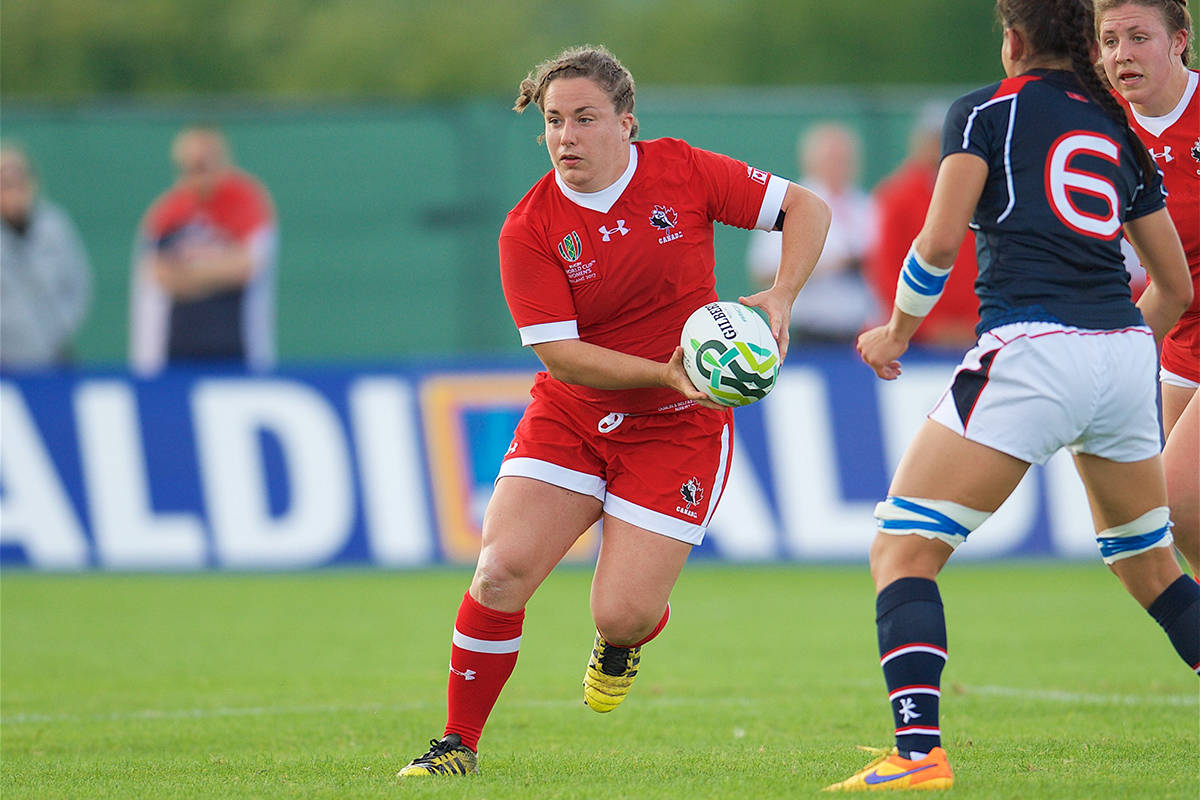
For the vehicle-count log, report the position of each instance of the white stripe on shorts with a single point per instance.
(654, 521)
(461, 640)
(719, 480)
(553, 474)
(1173, 379)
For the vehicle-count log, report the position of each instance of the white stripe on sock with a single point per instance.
(485, 645)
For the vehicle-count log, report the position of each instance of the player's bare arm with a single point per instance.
(1170, 291)
(584, 364)
(805, 225)
(959, 184)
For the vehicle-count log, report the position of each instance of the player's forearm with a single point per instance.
(1160, 310)
(584, 364)
(902, 326)
(1170, 291)
(805, 225)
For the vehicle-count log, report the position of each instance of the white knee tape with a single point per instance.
(933, 519)
(1150, 530)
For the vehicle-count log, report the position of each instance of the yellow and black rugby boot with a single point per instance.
(447, 757)
(890, 772)
(610, 673)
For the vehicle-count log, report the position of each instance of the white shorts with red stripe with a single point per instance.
(1031, 388)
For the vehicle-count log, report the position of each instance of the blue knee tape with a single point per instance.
(934, 519)
(1150, 530)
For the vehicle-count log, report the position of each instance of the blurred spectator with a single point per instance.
(836, 303)
(45, 278)
(901, 200)
(204, 264)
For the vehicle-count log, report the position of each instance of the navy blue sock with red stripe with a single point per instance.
(1177, 609)
(912, 652)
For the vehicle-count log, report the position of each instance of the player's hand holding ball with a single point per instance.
(776, 304)
(730, 354)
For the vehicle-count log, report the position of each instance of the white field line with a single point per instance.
(1089, 698)
(1040, 695)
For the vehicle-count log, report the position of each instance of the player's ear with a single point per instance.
(1014, 40)
(1012, 44)
(626, 120)
(1179, 41)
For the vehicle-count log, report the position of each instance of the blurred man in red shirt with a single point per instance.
(901, 200)
(205, 259)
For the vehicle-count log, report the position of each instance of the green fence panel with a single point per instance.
(389, 214)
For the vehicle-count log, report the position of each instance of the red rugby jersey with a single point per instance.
(623, 268)
(1174, 141)
(238, 206)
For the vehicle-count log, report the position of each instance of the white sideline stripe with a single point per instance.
(1173, 700)
(485, 645)
(1183, 700)
(1058, 696)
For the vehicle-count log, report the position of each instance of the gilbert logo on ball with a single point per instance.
(729, 353)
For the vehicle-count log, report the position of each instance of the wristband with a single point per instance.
(920, 284)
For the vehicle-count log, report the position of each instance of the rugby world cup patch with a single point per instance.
(571, 247)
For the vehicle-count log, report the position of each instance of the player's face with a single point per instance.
(587, 139)
(1140, 57)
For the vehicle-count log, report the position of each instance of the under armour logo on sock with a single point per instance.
(469, 675)
(621, 229)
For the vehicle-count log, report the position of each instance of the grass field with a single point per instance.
(323, 685)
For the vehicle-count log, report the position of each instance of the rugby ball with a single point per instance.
(729, 353)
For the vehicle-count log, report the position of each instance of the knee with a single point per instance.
(1149, 531)
(917, 535)
(500, 584)
(623, 622)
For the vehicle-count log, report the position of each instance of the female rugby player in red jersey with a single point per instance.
(1144, 47)
(602, 261)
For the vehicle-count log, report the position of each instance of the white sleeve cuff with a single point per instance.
(549, 332)
(772, 202)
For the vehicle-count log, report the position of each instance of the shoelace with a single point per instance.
(436, 748)
(614, 659)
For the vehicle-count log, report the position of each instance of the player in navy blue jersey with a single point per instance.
(1045, 169)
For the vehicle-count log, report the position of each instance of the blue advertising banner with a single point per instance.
(332, 465)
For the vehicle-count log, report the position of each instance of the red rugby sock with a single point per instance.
(482, 657)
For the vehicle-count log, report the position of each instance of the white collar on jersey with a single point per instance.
(606, 198)
(1157, 125)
